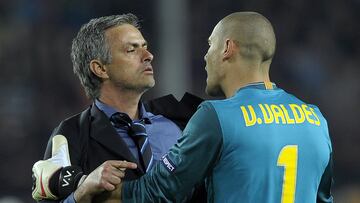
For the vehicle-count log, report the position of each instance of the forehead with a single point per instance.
(215, 32)
(124, 34)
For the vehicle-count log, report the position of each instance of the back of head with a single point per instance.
(252, 32)
(90, 43)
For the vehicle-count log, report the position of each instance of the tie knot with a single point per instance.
(121, 120)
(138, 129)
(134, 128)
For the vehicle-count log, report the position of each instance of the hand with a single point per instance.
(46, 170)
(42, 172)
(106, 177)
(109, 197)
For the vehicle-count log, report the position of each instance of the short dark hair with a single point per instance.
(90, 43)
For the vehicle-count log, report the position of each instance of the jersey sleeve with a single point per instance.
(188, 162)
(324, 192)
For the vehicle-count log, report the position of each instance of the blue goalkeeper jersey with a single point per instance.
(261, 145)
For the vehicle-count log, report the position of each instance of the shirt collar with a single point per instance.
(109, 111)
(257, 85)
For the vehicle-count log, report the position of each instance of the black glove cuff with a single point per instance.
(68, 180)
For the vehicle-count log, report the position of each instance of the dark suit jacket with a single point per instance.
(93, 140)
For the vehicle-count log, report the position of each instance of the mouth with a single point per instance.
(148, 69)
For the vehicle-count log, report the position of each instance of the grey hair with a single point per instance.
(90, 43)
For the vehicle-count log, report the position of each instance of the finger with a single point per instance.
(122, 169)
(109, 186)
(122, 174)
(119, 173)
(108, 183)
(115, 180)
(124, 164)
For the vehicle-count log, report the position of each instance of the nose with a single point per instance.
(205, 57)
(147, 56)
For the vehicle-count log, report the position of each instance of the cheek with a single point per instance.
(127, 67)
(211, 64)
(211, 56)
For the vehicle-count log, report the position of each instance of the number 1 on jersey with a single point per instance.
(288, 159)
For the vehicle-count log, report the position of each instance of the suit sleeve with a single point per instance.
(74, 145)
(188, 162)
(324, 191)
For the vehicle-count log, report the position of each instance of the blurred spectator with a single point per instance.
(10, 199)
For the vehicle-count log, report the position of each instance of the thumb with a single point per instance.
(60, 151)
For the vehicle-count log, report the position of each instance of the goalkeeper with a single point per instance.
(260, 144)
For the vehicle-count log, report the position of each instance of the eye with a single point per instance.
(130, 50)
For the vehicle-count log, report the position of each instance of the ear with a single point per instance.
(230, 48)
(98, 69)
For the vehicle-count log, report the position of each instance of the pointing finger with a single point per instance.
(124, 165)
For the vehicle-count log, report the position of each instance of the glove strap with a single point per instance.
(68, 180)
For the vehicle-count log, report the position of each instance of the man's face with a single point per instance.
(213, 64)
(130, 67)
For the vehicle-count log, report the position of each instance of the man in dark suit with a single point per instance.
(112, 60)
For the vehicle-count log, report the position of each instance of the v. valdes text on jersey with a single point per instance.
(279, 114)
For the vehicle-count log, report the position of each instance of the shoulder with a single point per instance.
(217, 106)
(72, 124)
(210, 105)
(71, 129)
(316, 111)
(205, 117)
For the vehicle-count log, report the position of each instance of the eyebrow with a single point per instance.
(136, 45)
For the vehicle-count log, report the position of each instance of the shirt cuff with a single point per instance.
(70, 199)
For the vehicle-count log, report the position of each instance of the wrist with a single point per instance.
(83, 195)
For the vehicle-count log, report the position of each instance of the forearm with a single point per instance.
(81, 195)
(152, 188)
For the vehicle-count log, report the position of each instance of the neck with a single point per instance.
(121, 100)
(241, 76)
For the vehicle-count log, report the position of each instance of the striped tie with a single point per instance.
(137, 132)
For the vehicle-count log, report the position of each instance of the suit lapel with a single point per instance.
(104, 133)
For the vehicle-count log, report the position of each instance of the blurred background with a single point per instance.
(317, 59)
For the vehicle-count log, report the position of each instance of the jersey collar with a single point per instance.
(259, 85)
